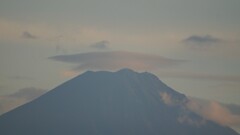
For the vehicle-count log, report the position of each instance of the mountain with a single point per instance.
(109, 103)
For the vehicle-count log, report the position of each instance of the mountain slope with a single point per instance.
(109, 103)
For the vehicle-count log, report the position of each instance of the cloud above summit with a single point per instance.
(115, 60)
(206, 39)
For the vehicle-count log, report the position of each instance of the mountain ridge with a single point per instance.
(109, 103)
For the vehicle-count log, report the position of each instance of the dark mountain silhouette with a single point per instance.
(109, 103)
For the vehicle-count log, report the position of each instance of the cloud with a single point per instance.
(28, 35)
(214, 111)
(100, 45)
(191, 121)
(116, 60)
(201, 39)
(224, 114)
(167, 98)
(201, 76)
(9, 102)
(15, 31)
(184, 117)
(28, 93)
(171, 99)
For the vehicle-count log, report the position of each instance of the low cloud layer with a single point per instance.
(115, 60)
(169, 100)
(212, 110)
(223, 114)
(9, 102)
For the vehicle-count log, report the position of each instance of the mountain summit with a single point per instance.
(109, 103)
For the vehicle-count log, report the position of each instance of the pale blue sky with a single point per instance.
(31, 31)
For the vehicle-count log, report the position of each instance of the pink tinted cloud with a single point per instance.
(115, 60)
(214, 111)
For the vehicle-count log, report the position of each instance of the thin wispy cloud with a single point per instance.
(116, 60)
(185, 118)
(201, 39)
(29, 93)
(224, 114)
(22, 96)
(201, 76)
(167, 99)
(101, 45)
(28, 35)
(188, 120)
(215, 111)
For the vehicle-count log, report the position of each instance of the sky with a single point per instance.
(191, 45)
